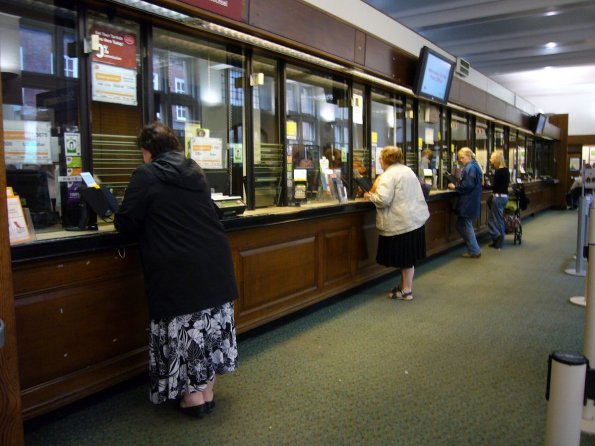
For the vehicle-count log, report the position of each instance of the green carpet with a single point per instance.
(465, 363)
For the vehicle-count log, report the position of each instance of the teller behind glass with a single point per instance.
(401, 214)
(188, 273)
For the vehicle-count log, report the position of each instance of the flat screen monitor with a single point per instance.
(32, 188)
(538, 124)
(433, 76)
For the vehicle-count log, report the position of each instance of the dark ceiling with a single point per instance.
(503, 36)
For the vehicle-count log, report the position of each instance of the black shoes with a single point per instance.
(198, 411)
(496, 244)
(194, 411)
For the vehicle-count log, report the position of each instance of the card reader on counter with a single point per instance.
(227, 206)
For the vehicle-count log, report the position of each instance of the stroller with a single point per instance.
(517, 202)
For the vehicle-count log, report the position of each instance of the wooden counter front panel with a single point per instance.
(82, 319)
(81, 326)
(285, 267)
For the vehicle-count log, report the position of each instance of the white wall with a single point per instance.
(580, 109)
(374, 22)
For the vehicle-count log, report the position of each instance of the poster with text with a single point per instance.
(27, 142)
(113, 84)
(207, 152)
(113, 67)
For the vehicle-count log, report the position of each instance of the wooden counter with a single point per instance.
(81, 311)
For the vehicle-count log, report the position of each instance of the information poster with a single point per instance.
(207, 152)
(18, 230)
(113, 67)
(27, 142)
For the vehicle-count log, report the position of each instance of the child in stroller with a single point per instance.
(517, 201)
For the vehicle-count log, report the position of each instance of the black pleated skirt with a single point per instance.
(402, 250)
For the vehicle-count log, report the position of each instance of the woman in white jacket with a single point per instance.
(401, 213)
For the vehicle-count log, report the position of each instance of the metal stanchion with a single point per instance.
(583, 223)
(588, 421)
(585, 204)
(565, 394)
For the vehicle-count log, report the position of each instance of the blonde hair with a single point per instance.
(392, 155)
(427, 152)
(467, 152)
(497, 159)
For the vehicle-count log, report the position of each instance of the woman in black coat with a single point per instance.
(188, 270)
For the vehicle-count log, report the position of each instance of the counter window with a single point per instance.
(482, 139)
(199, 92)
(116, 104)
(459, 128)
(387, 124)
(361, 150)
(430, 142)
(268, 151)
(40, 89)
(317, 131)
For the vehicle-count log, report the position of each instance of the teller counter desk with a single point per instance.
(80, 305)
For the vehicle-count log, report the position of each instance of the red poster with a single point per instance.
(227, 8)
(115, 47)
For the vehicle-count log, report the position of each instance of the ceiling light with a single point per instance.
(551, 45)
(551, 13)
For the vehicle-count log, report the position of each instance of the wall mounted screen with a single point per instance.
(433, 76)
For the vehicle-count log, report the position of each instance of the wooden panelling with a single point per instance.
(277, 271)
(390, 62)
(581, 139)
(57, 333)
(337, 255)
(77, 315)
(360, 47)
(82, 319)
(470, 96)
(305, 25)
(496, 107)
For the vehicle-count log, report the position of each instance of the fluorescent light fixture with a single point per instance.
(551, 45)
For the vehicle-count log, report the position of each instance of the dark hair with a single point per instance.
(158, 138)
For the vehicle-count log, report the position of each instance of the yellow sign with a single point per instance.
(291, 129)
(374, 137)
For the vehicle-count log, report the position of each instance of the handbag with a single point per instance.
(425, 188)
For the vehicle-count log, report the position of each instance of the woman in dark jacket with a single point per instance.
(189, 277)
(469, 189)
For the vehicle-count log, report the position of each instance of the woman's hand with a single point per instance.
(451, 186)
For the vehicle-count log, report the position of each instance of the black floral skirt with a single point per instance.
(187, 351)
(402, 250)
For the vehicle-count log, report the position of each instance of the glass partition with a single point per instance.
(268, 151)
(481, 143)
(530, 159)
(116, 104)
(429, 142)
(317, 131)
(544, 163)
(521, 158)
(386, 124)
(361, 150)
(512, 153)
(199, 91)
(459, 126)
(43, 148)
(410, 148)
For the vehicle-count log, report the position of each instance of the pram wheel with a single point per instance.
(518, 235)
